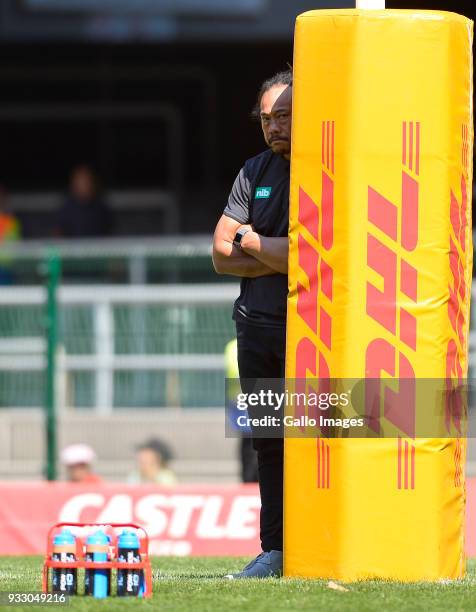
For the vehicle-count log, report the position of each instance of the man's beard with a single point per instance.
(281, 150)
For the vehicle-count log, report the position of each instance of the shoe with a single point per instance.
(266, 565)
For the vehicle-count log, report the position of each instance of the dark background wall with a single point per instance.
(210, 85)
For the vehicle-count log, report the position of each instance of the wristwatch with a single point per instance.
(239, 235)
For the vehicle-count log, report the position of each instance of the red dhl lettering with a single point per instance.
(381, 306)
(318, 222)
(457, 308)
(307, 298)
(323, 464)
(382, 354)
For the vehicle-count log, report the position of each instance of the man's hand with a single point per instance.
(250, 241)
(271, 251)
(228, 259)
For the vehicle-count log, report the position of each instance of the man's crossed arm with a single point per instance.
(257, 256)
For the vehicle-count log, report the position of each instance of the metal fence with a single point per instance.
(119, 346)
(123, 343)
(174, 259)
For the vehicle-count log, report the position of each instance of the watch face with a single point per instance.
(239, 235)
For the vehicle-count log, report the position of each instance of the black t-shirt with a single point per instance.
(260, 196)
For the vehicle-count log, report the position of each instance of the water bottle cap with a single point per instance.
(128, 539)
(64, 537)
(98, 538)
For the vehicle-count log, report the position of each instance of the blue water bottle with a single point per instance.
(129, 581)
(97, 582)
(64, 580)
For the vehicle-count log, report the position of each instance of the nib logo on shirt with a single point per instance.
(262, 192)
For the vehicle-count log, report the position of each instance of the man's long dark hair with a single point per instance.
(281, 78)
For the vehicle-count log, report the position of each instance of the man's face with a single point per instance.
(275, 113)
(78, 472)
(82, 184)
(148, 463)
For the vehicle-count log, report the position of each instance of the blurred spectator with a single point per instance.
(78, 460)
(10, 230)
(9, 224)
(152, 459)
(84, 212)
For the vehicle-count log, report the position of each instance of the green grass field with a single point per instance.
(195, 584)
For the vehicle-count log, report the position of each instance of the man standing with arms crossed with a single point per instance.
(251, 241)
